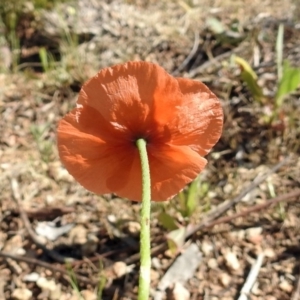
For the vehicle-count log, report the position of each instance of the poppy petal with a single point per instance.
(199, 121)
(171, 168)
(89, 153)
(133, 95)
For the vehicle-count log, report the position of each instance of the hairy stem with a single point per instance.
(145, 260)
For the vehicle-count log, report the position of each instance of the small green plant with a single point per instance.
(287, 83)
(226, 35)
(249, 76)
(71, 65)
(75, 286)
(9, 17)
(11, 14)
(73, 281)
(47, 59)
(45, 147)
(280, 207)
(102, 281)
(186, 206)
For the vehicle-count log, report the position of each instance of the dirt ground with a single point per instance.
(46, 217)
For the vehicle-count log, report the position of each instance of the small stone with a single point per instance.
(59, 173)
(112, 219)
(270, 297)
(32, 277)
(255, 289)
(206, 248)
(13, 244)
(88, 295)
(45, 284)
(22, 294)
(20, 251)
(133, 227)
(231, 260)
(78, 235)
(83, 218)
(120, 269)
(212, 194)
(228, 188)
(179, 292)
(156, 263)
(239, 234)
(225, 279)
(50, 286)
(212, 263)
(270, 253)
(254, 235)
(154, 275)
(286, 286)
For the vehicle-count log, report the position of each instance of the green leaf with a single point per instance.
(176, 239)
(250, 78)
(44, 58)
(167, 221)
(182, 203)
(203, 189)
(192, 198)
(215, 25)
(188, 199)
(289, 82)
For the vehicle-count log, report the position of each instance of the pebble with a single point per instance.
(21, 294)
(231, 260)
(156, 264)
(228, 188)
(212, 263)
(88, 295)
(206, 248)
(133, 228)
(154, 275)
(225, 279)
(120, 269)
(253, 235)
(32, 277)
(286, 286)
(179, 292)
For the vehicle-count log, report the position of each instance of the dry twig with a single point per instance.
(189, 57)
(289, 197)
(48, 266)
(217, 60)
(222, 208)
(251, 277)
(35, 239)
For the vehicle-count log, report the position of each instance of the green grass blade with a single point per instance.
(289, 82)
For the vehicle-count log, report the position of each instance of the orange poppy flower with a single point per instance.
(181, 120)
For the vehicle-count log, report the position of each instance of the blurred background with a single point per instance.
(248, 53)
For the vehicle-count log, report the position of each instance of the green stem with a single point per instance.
(145, 255)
